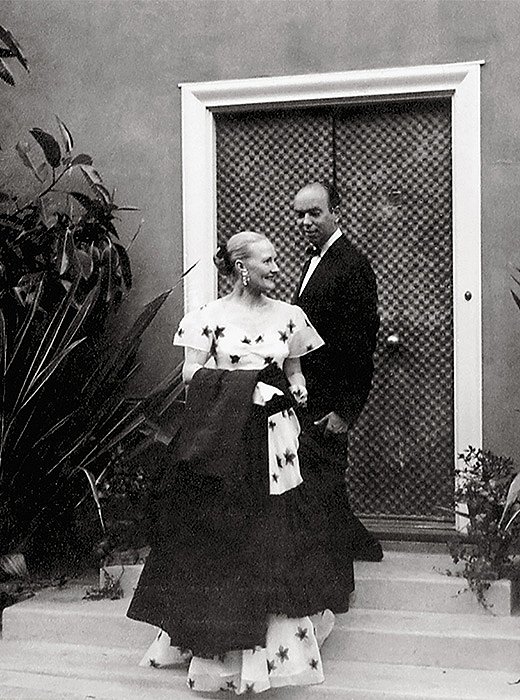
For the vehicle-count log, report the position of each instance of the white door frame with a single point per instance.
(462, 81)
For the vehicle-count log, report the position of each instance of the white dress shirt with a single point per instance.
(316, 259)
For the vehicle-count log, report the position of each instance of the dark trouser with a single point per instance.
(335, 449)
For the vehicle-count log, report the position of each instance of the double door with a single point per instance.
(391, 162)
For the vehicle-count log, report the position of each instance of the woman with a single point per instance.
(243, 552)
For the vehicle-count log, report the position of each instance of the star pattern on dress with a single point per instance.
(291, 326)
(153, 663)
(235, 359)
(272, 424)
(219, 331)
(283, 336)
(206, 331)
(275, 478)
(271, 666)
(259, 339)
(310, 347)
(313, 663)
(302, 633)
(246, 340)
(289, 457)
(231, 685)
(250, 688)
(279, 461)
(283, 653)
(191, 683)
(268, 360)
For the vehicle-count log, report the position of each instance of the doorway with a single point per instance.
(392, 163)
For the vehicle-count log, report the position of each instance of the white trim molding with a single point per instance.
(461, 80)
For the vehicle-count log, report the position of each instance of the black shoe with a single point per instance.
(372, 553)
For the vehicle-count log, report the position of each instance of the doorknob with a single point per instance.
(393, 341)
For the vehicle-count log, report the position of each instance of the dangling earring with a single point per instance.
(245, 277)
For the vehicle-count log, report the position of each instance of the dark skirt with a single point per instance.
(222, 560)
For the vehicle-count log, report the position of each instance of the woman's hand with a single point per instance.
(299, 394)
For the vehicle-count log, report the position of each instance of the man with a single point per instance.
(338, 292)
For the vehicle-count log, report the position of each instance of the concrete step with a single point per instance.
(41, 671)
(483, 641)
(428, 639)
(425, 583)
(62, 616)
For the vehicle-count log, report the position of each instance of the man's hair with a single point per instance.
(332, 193)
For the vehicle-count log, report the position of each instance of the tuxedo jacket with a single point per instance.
(340, 300)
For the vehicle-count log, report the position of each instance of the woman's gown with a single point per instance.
(291, 653)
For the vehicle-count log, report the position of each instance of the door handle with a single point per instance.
(393, 341)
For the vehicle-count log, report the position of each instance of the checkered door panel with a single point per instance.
(263, 158)
(392, 165)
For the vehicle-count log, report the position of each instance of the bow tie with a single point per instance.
(313, 250)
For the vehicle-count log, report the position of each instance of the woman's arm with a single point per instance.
(193, 360)
(293, 372)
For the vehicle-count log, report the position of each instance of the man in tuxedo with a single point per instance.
(338, 292)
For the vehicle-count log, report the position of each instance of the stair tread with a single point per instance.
(431, 623)
(75, 671)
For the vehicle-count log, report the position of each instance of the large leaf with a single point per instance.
(49, 145)
(68, 141)
(124, 262)
(5, 73)
(81, 159)
(23, 150)
(14, 46)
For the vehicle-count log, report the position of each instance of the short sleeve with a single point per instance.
(304, 338)
(194, 331)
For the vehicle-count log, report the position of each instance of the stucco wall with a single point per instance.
(110, 69)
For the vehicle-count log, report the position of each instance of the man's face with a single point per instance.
(314, 216)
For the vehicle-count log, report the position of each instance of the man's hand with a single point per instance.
(333, 424)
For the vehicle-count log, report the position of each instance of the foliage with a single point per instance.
(60, 233)
(485, 550)
(65, 419)
(111, 588)
(9, 49)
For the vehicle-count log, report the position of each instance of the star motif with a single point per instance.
(275, 478)
(289, 457)
(234, 359)
(180, 332)
(271, 666)
(268, 360)
(291, 326)
(259, 339)
(246, 340)
(231, 685)
(283, 653)
(153, 663)
(206, 331)
(279, 462)
(313, 663)
(310, 347)
(283, 336)
(272, 424)
(191, 683)
(301, 633)
(250, 687)
(219, 331)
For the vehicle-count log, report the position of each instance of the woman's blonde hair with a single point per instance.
(238, 247)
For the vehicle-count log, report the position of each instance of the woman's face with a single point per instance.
(261, 266)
